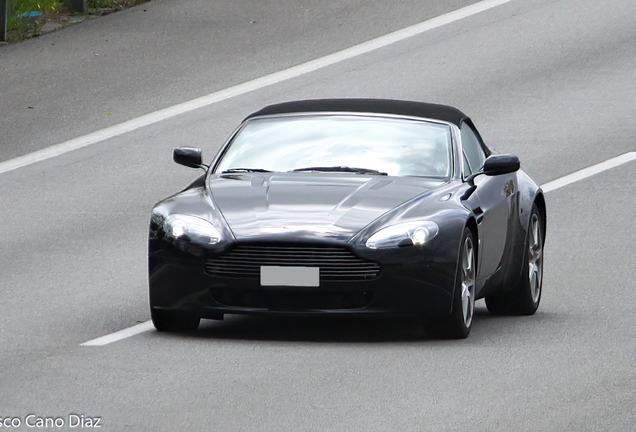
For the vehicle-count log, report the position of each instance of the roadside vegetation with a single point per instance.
(31, 18)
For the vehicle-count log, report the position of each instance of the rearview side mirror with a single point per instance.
(188, 156)
(501, 164)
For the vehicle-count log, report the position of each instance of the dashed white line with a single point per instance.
(588, 172)
(259, 83)
(547, 187)
(122, 334)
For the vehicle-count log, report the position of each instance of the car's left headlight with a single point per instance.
(190, 229)
(404, 234)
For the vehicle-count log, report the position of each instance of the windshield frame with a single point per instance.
(454, 135)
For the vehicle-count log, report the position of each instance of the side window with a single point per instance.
(473, 150)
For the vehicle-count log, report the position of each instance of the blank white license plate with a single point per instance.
(290, 276)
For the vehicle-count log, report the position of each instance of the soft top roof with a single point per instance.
(382, 106)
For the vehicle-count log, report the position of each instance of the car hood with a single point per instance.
(309, 205)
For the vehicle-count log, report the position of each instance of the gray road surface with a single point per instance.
(106, 71)
(551, 81)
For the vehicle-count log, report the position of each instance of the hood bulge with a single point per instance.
(308, 205)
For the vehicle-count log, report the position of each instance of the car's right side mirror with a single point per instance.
(188, 156)
(501, 164)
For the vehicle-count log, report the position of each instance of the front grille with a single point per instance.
(336, 264)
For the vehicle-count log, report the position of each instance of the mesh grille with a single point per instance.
(336, 264)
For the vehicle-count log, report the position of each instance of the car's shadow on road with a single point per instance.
(335, 329)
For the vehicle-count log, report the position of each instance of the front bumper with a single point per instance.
(411, 281)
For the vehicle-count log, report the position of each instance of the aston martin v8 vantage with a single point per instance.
(349, 206)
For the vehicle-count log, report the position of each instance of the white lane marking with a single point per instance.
(589, 171)
(547, 187)
(259, 83)
(122, 334)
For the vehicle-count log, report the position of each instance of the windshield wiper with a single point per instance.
(341, 169)
(240, 170)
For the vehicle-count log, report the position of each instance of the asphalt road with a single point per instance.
(105, 71)
(551, 81)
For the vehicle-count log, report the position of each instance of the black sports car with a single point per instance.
(351, 206)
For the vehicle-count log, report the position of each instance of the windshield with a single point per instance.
(344, 143)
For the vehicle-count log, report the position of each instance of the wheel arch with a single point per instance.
(539, 201)
(515, 266)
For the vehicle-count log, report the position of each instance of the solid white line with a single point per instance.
(588, 172)
(259, 83)
(547, 187)
(122, 334)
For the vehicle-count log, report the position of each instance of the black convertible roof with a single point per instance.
(383, 106)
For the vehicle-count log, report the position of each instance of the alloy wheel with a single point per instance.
(535, 258)
(468, 281)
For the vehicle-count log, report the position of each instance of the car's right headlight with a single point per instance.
(405, 234)
(190, 229)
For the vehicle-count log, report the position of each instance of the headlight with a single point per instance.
(190, 229)
(405, 234)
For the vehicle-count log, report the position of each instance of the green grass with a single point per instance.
(15, 8)
(18, 7)
(21, 28)
(112, 4)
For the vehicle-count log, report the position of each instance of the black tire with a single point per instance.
(524, 298)
(170, 321)
(459, 323)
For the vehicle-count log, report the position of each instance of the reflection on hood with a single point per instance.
(309, 205)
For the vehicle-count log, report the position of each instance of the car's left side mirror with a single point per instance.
(188, 156)
(501, 164)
